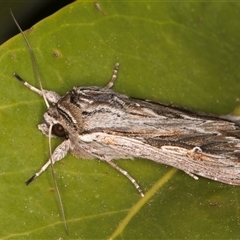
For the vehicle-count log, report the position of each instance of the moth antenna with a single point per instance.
(36, 72)
(55, 182)
(41, 92)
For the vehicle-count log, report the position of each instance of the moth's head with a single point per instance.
(53, 120)
(64, 118)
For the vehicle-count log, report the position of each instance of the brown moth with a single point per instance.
(99, 123)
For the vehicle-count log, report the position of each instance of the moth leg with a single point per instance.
(192, 175)
(114, 76)
(59, 153)
(28, 85)
(194, 153)
(125, 173)
(50, 95)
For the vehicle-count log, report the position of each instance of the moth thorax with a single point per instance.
(70, 113)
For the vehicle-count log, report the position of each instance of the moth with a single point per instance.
(99, 123)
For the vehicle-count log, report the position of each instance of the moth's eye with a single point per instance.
(58, 130)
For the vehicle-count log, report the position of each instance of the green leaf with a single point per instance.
(183, 53)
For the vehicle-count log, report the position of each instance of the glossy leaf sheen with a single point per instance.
(184, 53)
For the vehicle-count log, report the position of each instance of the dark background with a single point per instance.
(27, 14)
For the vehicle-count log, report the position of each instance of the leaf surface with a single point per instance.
(183, 53)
